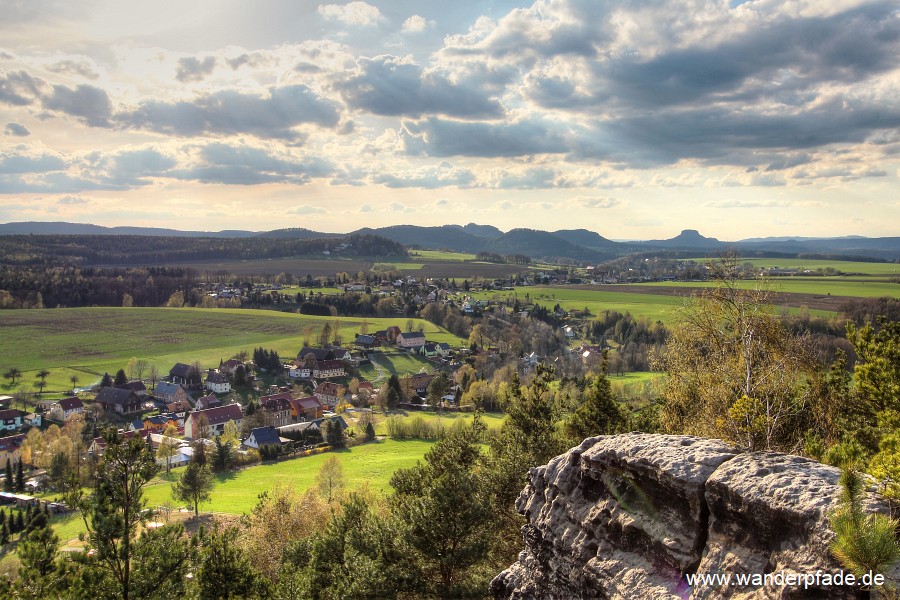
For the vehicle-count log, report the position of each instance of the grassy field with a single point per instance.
(90, 341)
(867, 268)
(401, 364)
(651, 306)
(237, 492)
(821, 286)
(439, 256)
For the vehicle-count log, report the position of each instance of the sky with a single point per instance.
(632, 118)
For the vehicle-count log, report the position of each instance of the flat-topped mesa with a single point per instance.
(629, 516)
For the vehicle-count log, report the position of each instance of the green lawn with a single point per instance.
(869, 268)
(90, 341)
(400, 363)
(370, 464)
(820, 286)
(653, 307)
(440, 256)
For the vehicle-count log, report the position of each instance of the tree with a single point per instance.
(223, 455)
(446, 511)
(154, 375)
(13, 374)
(112, 512)
(8, 481)
(240, 376)
(42, 375)
(40, 573)
(864, 542)
(74, 380)
(121, 378)
(734, 371)
(168, 447)
(224, 570)
(330, 479)
(325, 334)
(20, 477)
(161, 558)
(106, 380)
(437, 389)
(195, 486)
(136, 368)
(598, 412)
(370, 432)
(333, 434)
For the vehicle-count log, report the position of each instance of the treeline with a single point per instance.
(40, 287)
(63, 250)
(503, 259)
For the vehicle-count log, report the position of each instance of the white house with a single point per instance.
(218, 383)
(66, 408)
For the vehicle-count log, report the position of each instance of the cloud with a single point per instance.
(443, 174)
(18, 88)
(416, 24)
(16, 129)
(596, 202)
(74, 67)
(222, 163)
(86, 102)
(388, 85)
(233, 112)
(366, 208)
(193, 69)
(306, 209)
(30, 163)
(439, 137)
(72, 200)
(354, 13)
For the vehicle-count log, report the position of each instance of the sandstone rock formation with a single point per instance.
(630, 516)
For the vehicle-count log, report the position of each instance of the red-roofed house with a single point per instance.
(277, 408)
(66, 408)
(211, 422)
(326, 369)
(330, 393)
(309, 408)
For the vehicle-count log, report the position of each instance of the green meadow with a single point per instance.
(237, 492)
(844, 266)
(819, 286)
(90, 341)
(652, 306)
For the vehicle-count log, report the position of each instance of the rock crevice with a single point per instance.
(631, 515)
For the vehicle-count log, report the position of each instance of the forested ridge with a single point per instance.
(85, 250)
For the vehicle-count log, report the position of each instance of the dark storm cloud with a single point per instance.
(387, 85)
(193, 69)
(233, 112)
(86, 102)
(439, 137)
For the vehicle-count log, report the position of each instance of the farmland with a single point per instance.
(90, 341)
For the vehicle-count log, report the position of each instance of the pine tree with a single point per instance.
(106, 381)
(39, 572)
(8, 482)
(195, 485)
(20, 477)
(370, 432)
(121, 378)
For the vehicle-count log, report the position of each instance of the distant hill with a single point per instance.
(62, 228)
(575, 244)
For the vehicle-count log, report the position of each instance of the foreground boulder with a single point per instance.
(637, 515)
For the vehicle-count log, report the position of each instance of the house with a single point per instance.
(159, 423)
(98, 445)
(318, 353)
(429, 349)
(326, 369)
(262, 437)
(443, 349)
(183, 374)
(230, 366)
(33, 419)
(299, 370)
(365, 341)
(330, 393)
(11, 448)
(65, 409)
(209, 401)
(211, 422)
(118, 400)
(218, 382)
(392, 333)
(308, 408)
(135, 386)
(411, 339)
(277, 408)
(11, 419)
(170, 393)
(417, 384)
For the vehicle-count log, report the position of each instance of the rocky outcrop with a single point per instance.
(635, 515)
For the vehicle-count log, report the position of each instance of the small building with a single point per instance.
(65, 409)
(210, 401)
(218, 382)
(170, 393)
(411, 339)
(183, 374)
(211, 422)
(308, 408)
(262, 437)
(11, 448)
(11, 419)
(118, 400)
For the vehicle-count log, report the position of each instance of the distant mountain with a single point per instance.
(62, 228)
(445, 237)
(576, 244)
(296, 233)
(689, 239)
